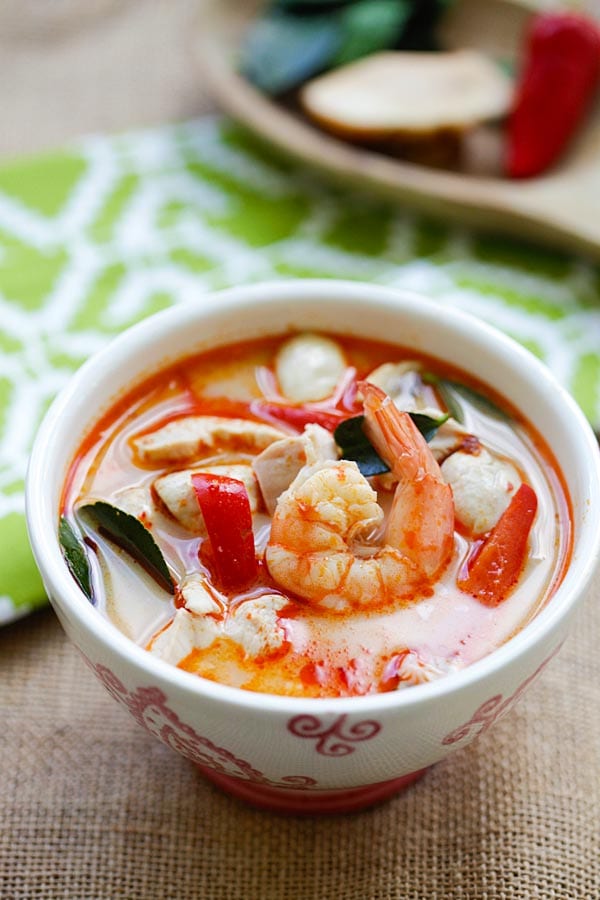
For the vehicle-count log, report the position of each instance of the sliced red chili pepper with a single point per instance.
(560, 75)
(328, 413)
(298, 416)
(495, 568)
(225, 507)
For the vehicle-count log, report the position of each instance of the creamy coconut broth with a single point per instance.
(288, 619)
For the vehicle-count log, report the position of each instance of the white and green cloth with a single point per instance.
(98, 236)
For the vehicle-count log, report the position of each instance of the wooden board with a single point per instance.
(561, 208)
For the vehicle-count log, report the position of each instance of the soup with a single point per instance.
(315, 515)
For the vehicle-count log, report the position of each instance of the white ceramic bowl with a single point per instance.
(299, 754)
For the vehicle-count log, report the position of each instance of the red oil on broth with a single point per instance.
(355, 584)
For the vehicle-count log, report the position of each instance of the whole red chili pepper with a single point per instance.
(560, 75)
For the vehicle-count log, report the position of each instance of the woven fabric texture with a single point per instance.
(94, 807)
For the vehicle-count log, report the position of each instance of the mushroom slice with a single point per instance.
(402, 382)
(404, 94)
(308, 367)
(184, 633)
(482, 485)
(192, 437)
(177, 492)
(277, 466)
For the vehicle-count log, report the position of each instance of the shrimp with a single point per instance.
(322, 544)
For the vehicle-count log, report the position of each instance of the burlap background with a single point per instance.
(93, 807)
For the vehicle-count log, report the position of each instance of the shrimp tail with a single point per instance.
(395, 437)
(422, 517)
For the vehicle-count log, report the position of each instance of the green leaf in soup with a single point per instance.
(427, 425)
(74, 552)
(129, 533)
(281, 51)
(371, 25)
(446, 395)
(356, 447)
(450, 393)
(479, 400)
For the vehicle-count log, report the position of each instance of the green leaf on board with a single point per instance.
(295, 40)
(132, 535)
(74, 552)
(420, 31)
(282, 50)
(508, 66)
(371, 25)
(309, 7)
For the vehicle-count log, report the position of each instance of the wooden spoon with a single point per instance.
(561, 207)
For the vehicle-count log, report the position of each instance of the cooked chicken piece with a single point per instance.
(399, 94)
(192, 437)
(255, 625)
(308, 367)
(177, 492)
(277, 466)
(482, 485)
(185, 632)
(137, 501)
(198, 597)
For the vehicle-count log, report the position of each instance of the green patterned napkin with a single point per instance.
(95, 238)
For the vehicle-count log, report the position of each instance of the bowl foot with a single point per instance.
(291, 801)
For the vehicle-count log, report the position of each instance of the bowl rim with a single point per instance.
(41, 517)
